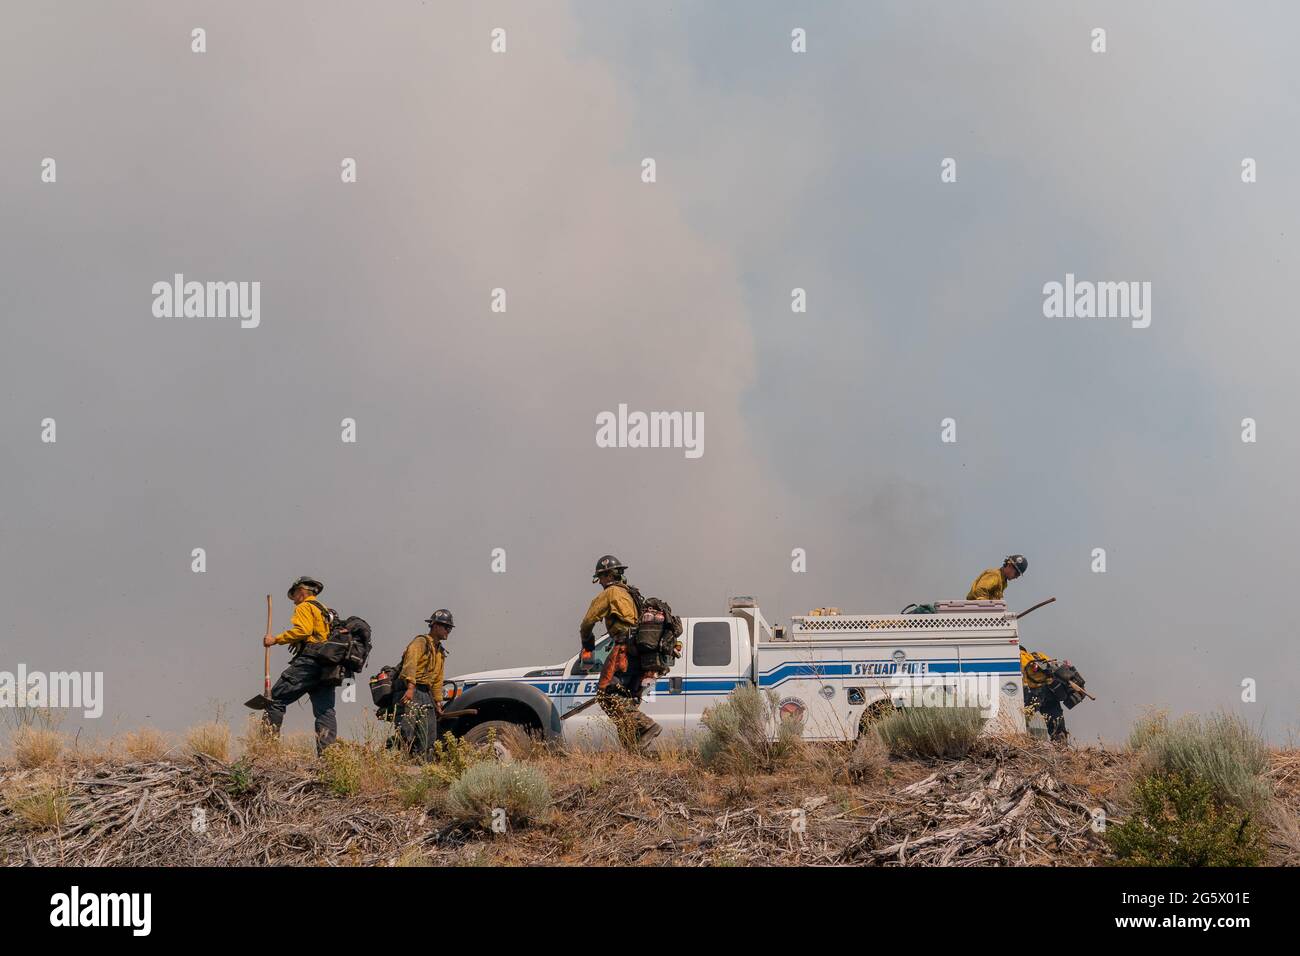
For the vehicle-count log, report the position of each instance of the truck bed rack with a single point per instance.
(868, 625)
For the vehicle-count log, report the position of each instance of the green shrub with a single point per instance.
(340, 769)
(240, 778)
(1178, 822)
(931, 732)
(449, 759)
(519, 789)
(451, 756)
(349, 768)
(1221, 750)
(747, 733)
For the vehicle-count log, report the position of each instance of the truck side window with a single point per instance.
(599, 653)
(711, 644)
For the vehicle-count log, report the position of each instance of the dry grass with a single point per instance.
(349, 769)
(36, 746)
(865, 760)
(259, 742)
(1281, 818)
(1150, 725)
(211, 739)
(145, 744)
(1009, 802)
(37, 802)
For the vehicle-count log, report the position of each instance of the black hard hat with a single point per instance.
(441, 616)
(608, 564)
(1019, 560)
(311, 584)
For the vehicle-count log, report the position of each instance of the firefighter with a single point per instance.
(305, 673)
(420, 685)
(622, 678)
(1037, 672)
(991, 583)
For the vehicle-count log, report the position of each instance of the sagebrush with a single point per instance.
(488, 790)
(747, 733)
(1220, 749)
(946, 733)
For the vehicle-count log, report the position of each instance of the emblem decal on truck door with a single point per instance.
(793, 707)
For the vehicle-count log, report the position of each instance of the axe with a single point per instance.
(261, 701)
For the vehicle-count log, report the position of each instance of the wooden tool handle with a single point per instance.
(1035, 607)
(1078, 689)
(266, 658)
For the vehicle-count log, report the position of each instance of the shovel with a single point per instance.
(261, 701)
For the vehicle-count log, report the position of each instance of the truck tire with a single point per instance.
(511, 741)
(874, 713)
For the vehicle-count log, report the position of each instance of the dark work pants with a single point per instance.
(1042, 701)
(303, 676)
(417, 721)
(621, 702)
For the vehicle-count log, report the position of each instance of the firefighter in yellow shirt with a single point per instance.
(310, 625)
(991, 584)
(419, 685)
(1036, 669)
(622, 679)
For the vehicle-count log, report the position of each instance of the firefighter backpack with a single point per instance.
(658, 632)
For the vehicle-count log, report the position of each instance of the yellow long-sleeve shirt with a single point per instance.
(422, 663)
(1034, 674)
(988, 586)
(307, 627)
(616, 607)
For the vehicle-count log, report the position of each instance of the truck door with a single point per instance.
(711, 664)
(663, 702)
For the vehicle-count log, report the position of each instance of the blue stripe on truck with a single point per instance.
(881, 668)
(779, 674)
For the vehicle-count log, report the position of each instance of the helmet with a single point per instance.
(608, 564)
(441, 616)
(1019, 560)
(311, 584)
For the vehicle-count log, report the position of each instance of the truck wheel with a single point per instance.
(511, 742)
(875, 713)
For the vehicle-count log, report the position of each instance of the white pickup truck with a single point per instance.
(833, 670)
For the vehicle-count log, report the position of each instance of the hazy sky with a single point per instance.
(475, 429)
